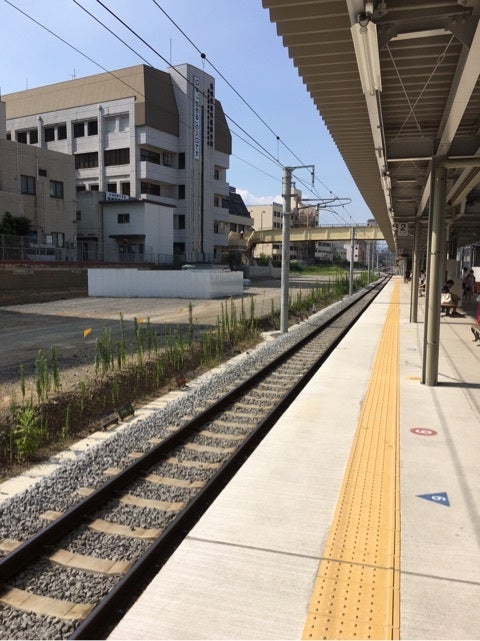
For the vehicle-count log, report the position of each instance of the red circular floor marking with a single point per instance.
(423, 431)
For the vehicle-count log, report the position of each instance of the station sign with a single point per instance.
(403, 229)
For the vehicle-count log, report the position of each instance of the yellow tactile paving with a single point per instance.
(356, 593)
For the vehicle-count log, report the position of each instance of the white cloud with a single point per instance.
(251, 199)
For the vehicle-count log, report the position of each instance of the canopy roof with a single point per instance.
(420, 98)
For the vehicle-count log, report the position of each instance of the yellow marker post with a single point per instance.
(86, 332)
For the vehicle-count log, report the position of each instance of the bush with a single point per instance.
(27, 433)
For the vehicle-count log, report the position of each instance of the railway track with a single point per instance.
(83, 565)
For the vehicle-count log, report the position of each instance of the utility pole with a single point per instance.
(352, 260)
(369, 251)
(287, 197)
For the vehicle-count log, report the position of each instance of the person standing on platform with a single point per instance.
(421, 283)
(469, 286)
(464, 278)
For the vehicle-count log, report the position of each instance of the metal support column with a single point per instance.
(434, 283)
(415, 273)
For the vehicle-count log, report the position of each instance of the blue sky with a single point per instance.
(237, 38)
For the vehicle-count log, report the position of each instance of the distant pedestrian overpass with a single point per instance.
(334, 233)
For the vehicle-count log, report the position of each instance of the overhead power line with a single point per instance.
(255, 144)
(69, 45)
(113, 33)
(262, 120)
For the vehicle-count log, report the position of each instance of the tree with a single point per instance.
(8, 226)
(22, 226)
(15, 225)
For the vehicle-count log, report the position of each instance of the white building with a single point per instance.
(267, 217)
(158, 139)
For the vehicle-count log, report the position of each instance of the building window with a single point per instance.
(42, 172)
(81, 188)
(29, 136)
(123, 219)
(216, 201)
(78, 215)
(149, 156)
(181, 160)
(112, 188)
(58, 239)
(110, 124)
(179, 221)
(181, 192)
(125, 189)
(78, 129)
(27, 185)
(216, 173)
(178, 248)
(56, 189)
(92, 127)
(165, 158)
(150, 189)
(62, 132)
(117, 157)
(85, 161)
(49, 134)
(94, 187)
(123, 124)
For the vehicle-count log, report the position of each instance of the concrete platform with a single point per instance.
(247, 570)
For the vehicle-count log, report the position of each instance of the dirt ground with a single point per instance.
(72, 324)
